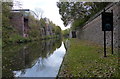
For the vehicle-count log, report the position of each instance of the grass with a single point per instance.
(85, 59)
(0, 43)
(0, 57)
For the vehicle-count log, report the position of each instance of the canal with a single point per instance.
(36, 59)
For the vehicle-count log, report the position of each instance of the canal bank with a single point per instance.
(85, 59)
(66, 46)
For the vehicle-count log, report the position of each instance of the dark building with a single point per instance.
(73, 34)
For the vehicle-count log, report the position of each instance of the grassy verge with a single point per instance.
(0, 57)
(85, 59)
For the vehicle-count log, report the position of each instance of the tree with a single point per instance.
(78, 13)
(39, 12)
(7, 30)
(34, 32)
(65, 33)
(17, 3)
(6, 7)
(71, 11)
(42, 22)
(57, 30)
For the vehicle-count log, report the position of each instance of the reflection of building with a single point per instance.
(20, 21)
(23, 57)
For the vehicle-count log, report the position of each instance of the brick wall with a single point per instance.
(20, 22)
(17, 20)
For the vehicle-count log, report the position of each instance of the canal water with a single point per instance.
(36, 59)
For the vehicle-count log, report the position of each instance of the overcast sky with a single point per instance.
(49, 8)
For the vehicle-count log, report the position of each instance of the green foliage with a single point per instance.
(78, 13)
(11, 35)
(7, 29)
(57, 30)
(78, 24)
(42, 22)
(16, 38)
(65, 33)
(37, 25)
(0, 43)
(34, 32)
(71, 11)
(6, 7)
(96, 7)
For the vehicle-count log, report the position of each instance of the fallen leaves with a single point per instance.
(84, 61)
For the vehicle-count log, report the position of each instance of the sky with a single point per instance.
(49, 7)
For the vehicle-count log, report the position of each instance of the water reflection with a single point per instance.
(38, 59)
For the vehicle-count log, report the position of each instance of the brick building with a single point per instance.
(20, 21)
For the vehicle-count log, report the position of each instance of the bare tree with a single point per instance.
(17, 3)
(39, 12)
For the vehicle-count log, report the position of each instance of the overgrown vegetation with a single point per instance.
(85, 59)
(65, 33)
(9, 34)
(7, 29)
(37, 28)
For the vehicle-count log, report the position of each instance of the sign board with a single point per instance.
(107, 21)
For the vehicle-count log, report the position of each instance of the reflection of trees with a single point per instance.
(11, 61)
(20, 57)
(49, 47)
(40, 64)
(23, 71)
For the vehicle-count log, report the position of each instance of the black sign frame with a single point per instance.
(107, 21)
(107, 25)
